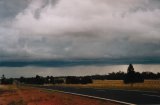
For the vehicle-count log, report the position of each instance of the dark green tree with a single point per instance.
(3, 79)
(132, 77)
(39, 80)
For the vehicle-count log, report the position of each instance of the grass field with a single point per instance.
(151, 85)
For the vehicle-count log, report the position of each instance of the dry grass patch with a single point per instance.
(32, 96)
(152, 85)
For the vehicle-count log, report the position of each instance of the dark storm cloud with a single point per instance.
(10, 8)
(75, 29)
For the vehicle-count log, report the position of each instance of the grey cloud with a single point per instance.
(57, 29)
(10, 8)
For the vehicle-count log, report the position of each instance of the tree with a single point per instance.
(132, 77)
(22, 79)
(86, 80)
(72, 80)
(3, 79)
(6, 81)
(52, 80)
(39, 80)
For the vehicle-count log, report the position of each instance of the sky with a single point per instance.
(120, 31)
(32, 71)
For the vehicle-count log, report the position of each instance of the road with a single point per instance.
(134, 97)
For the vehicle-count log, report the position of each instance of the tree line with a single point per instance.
(48, 80)
(121, 75)
(130, 77)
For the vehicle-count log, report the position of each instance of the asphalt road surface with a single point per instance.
(134, 97)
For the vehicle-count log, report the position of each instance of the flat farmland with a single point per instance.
(153, 85)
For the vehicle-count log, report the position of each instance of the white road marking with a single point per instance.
(151, 95)
(106, 99)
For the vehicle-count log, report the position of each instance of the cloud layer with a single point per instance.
(86, 29)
